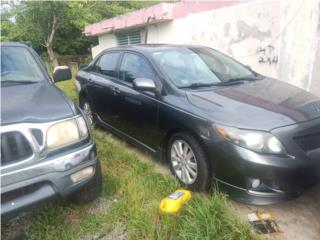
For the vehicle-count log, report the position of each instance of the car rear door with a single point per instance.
(100, 86)
(137, 110)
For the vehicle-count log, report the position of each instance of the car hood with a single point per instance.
(263, 104)
(36, 102)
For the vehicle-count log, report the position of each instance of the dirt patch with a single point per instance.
(16, 229)
(100, 205)
(118, 233)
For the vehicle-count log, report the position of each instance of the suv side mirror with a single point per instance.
(61, 73)
(144, 84)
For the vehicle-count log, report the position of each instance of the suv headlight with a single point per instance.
(66, 132)
(257, 141)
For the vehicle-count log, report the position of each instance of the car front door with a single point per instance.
(100, 86)
(138, 110)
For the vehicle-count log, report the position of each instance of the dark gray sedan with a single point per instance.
(209, 116)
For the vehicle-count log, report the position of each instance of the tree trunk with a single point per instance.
(52, 56)
(49, 42)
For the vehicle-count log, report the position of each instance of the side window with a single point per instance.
(134, 66)
(107, 64)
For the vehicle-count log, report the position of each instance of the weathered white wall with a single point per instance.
(105, 41)
(299, 50)
(239, 31)
(276, 38)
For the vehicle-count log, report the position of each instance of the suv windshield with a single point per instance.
(188, 67)
(19, 66)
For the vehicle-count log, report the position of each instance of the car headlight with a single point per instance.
(257, 141)
(66, 132)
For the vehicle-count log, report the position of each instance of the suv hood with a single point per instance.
(263, 104)
(36, 102)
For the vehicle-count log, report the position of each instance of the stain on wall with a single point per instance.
(227, 28)
(245, 31)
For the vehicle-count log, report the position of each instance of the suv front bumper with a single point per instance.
(26, 187)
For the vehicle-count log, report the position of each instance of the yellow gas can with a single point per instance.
(172, 204)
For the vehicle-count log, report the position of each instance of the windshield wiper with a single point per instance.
(18, 82)
(238, 80)
(198, 85)
(230, 81)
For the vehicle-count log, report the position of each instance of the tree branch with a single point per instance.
(93, 5)
(54, 27)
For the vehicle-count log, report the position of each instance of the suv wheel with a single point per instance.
(188, 162)
(86, 107)
(91, 190)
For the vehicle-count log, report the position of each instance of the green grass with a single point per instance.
(135, 189)
(69, 88)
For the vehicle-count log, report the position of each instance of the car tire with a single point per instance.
(91, 190)
(202, 180)
(87, 110)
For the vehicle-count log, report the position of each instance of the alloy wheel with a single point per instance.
(184, 162)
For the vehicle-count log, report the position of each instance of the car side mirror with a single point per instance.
(61, 73)
(144, 84)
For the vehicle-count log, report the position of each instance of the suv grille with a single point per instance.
(14, 147)
(309, 142)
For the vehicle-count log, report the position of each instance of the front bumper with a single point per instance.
(282, 177)
(27, 187)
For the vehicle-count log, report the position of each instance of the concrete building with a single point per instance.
(280, 39)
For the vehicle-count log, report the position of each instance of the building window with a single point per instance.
(129, 37)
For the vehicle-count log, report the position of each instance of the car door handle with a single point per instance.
(116, 91)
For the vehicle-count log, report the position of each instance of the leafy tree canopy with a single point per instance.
(56, 26)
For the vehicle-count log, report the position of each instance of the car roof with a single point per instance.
(153, 47)
(15, 44)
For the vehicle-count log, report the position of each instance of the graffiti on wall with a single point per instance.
(267, 55)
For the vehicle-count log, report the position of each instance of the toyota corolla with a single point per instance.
(211, 118)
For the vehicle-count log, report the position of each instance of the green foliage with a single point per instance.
(33, 21)
(6, 24)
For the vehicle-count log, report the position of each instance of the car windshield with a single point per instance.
(198, 67)
(19, 66)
